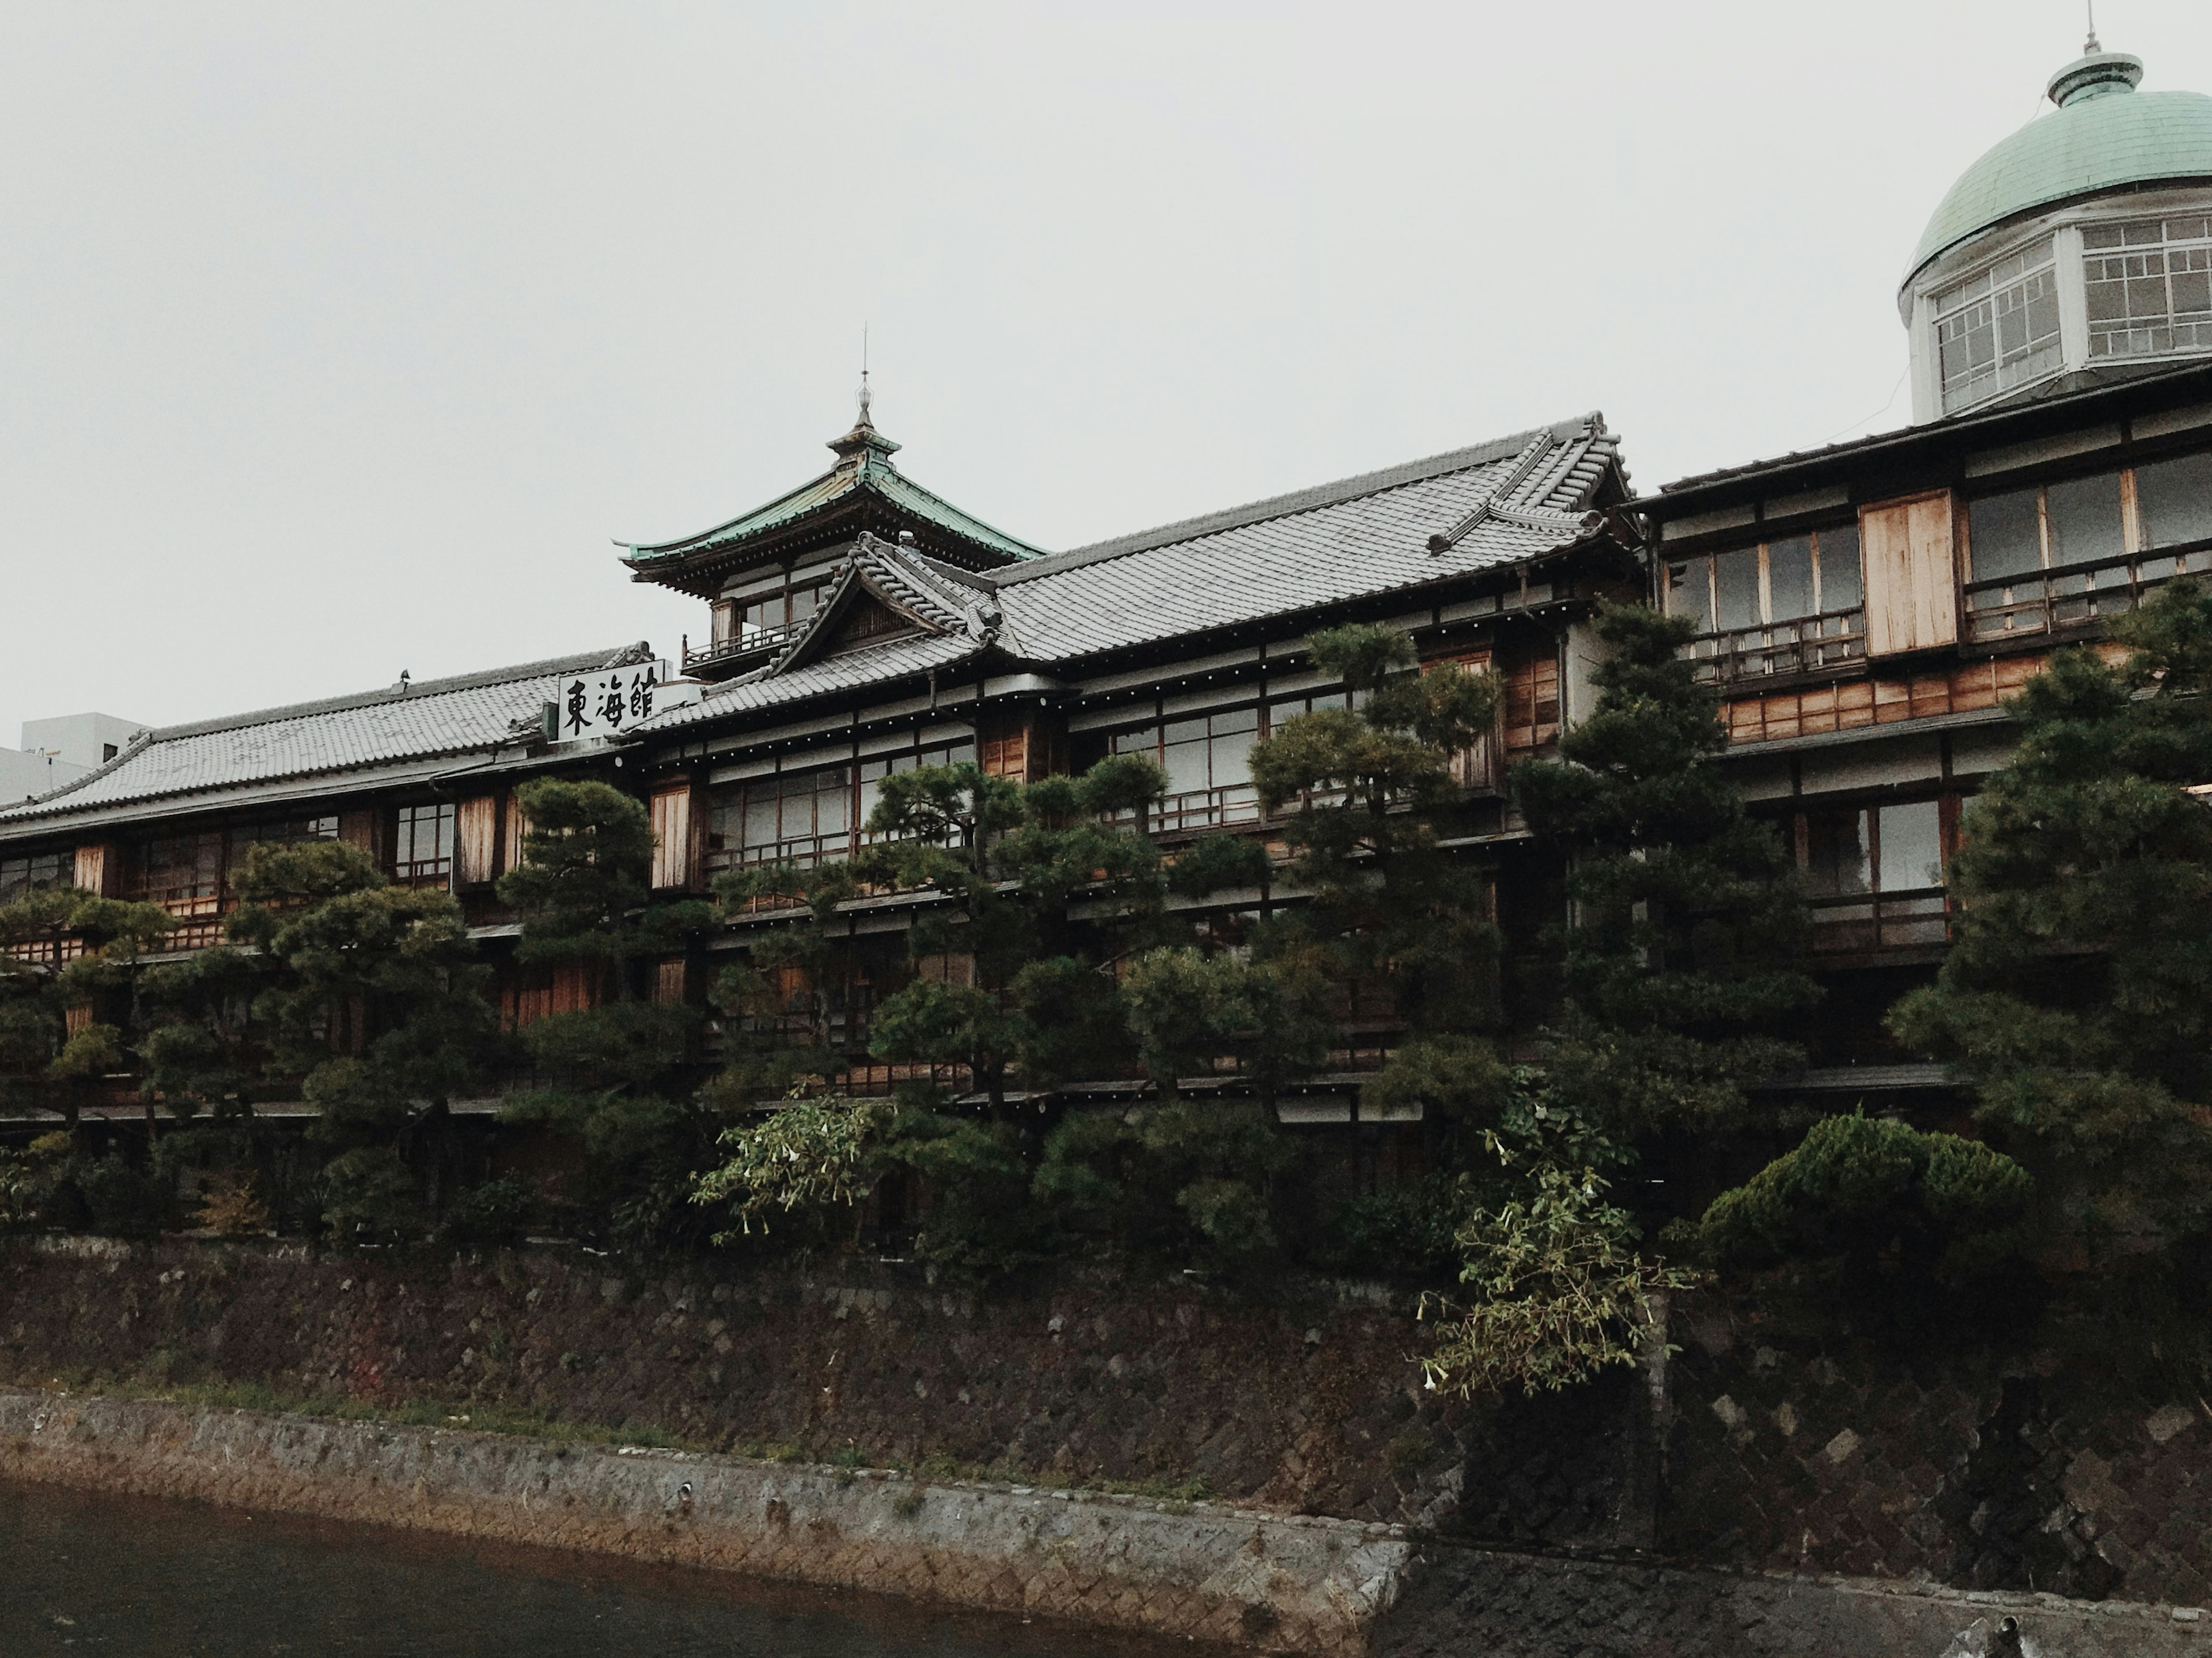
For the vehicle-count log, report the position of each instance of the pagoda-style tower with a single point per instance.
(765, 574)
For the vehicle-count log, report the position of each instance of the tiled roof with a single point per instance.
(1360, 537)
(907, 657)
(865, 466)
(372, 728)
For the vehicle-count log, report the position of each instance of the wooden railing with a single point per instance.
(1881, 921)
(1805, 645)
(2038, 603)
(746, 643)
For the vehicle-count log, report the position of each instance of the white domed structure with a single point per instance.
(2083, 243)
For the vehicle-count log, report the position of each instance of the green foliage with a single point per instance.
(1679, 967)
(813, 1153)
(1410, 1230)
(1188, 1009)
(1881, 1202)
(495, 1214)
(2077, 997)
(586, 863)
(1391, 912)
(28, 1178)
(370, 1196)
(1179, 1178)
(1559, 1292)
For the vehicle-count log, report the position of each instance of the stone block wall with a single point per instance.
(1960, 1469)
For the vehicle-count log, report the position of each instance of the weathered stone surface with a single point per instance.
(1470, 1604)
(1269, 1582)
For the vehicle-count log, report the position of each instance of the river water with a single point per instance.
(83, 1574)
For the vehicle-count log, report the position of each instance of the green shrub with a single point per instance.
(1874, 1200)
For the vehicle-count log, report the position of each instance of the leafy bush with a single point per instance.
(27, 1179)
(499, 1213)
(232, 1207)
(369, 1197)
(1402, 1231)
(1559, 1292)
(1876, 1199)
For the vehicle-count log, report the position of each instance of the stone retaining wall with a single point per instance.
(1266, 1582)
(1463, 1603)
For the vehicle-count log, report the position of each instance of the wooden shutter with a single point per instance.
(361, 829)
(517, 827)
(99, 869)
(674, 859)
(1476, 768)
(476, 841)
(1911, 575)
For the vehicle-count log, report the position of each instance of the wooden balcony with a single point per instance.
(1833, 639)
(2073, 598)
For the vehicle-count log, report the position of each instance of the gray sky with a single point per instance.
(335, 341)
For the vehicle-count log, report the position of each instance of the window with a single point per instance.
(422, 848)
(1775, 582)
(1776, 607)
(36, 873)
(2173, 500)
(2078, 521)
(1874, 874)
(183, 873)
(1999, 330)
(758, 617)
(1208, 761)
(2149, 287)
(789, 817)
(812, 816)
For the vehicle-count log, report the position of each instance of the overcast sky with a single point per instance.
(336, 341)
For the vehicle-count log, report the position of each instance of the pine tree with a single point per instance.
(2077, 996)
(615, 1076)
(1684, 924)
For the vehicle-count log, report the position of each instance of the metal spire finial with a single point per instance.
(864, 398)
(2091, 48)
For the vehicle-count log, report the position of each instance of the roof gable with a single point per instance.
(864, 489)
(882, 584)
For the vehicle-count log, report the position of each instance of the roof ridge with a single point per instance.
(465, 682)
(1300, 501)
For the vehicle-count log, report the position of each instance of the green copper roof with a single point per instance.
(2103, 136)
(863, 463)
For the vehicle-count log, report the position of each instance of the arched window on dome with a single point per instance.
(1999, 330)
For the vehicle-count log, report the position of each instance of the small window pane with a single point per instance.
(1912, 847)
(1790, 578)
(2174, 500)
(2002, 538)
(1689, 592)
(1186, 766)
(1186, 730)
(1232, 758)
(1836, 863)
(1146, 739)
(2085, 519)
(1840, 586)
(1736, 587)
(1243, 720)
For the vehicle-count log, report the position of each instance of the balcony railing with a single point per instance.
(1197, 809)
(1881, 921)
(749, 642)
(1805, 645)
(2075, 596)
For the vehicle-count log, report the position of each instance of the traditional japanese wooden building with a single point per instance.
(1863, 609)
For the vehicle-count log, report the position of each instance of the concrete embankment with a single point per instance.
(1208, 1571)
(1266, 1582)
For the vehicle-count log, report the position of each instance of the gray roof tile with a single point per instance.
(371, 728)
